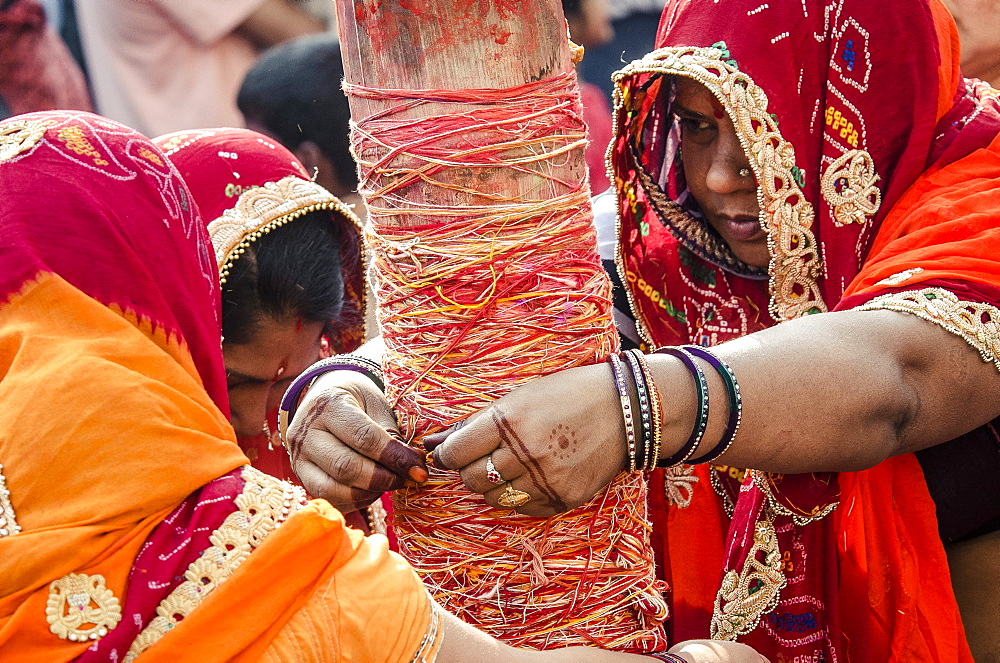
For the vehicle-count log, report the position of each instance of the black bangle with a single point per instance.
(626, 403)
(701, 417)
(735, 403)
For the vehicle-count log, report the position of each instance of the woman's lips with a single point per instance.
(742, 228)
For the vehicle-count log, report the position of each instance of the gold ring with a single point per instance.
(512, 498)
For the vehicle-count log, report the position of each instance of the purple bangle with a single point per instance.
(667, 656)
(701, 418)
(735, 403)
(290, 401)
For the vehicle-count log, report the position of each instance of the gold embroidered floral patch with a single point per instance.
(81, 608)
(20, 136)
(678, 483)
(745, 596)
(849, 186)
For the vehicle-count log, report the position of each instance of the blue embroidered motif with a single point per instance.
(849, 55)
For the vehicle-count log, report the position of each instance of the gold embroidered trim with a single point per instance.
(764, 482)
(261, 209)
(20, 136)
(8, 519)
(262, 507)
(849, 186)
(431, 642)
(787, 216)
(678, 482)
(900, 277)
(974, 322)
(76, 600)
(745, 597)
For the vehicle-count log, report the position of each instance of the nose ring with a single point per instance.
(744, 172)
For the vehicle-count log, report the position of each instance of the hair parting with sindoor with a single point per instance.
(291, 272)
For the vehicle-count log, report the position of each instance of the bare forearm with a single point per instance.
(460, 639)
(839, 391)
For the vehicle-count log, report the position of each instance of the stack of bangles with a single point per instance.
(643, 431)
(667, 656)
(349, 362)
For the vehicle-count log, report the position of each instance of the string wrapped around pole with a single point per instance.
(486, 275)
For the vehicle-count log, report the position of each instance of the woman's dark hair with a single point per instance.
(291, 272)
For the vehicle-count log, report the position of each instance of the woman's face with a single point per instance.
(718, 173)
(259, 371)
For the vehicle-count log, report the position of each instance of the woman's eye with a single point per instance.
(694, 126)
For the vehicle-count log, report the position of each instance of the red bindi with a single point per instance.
(718, 110)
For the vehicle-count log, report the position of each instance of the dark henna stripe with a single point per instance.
(508, 435)
(295, 447)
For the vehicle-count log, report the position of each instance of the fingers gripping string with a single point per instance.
(485, 268)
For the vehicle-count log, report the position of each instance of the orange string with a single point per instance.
(486, 275)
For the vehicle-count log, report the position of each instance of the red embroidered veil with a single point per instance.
(859, 130)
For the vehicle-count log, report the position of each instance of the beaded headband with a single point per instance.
(261, 209)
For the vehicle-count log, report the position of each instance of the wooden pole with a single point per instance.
(454, 45)
(463, 45)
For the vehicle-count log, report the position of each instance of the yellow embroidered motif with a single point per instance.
(260, 210)
(8, 521)
(81, 608)
(150, 155)
(849, 186)
(974, 322)
(263, 505)
(745, 596)
(20, 136)
(796, 263)
(76, 141)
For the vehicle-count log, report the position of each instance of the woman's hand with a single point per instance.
(560, 439)
(344, 443)
(716, 651)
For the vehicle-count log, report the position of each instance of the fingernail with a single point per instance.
(432, 441)
(410, 484)
(418, 474)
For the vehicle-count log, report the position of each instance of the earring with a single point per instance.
(744, 172)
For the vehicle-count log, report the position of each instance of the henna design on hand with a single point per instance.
(563, 442)
(523, 455)
(294, 442)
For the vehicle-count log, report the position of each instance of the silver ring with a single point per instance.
(744, 172)
(491, 471)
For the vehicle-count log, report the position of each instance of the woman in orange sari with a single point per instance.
(292, 279)
(772, 162)
(131, 526)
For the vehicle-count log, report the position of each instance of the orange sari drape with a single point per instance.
(107, 426)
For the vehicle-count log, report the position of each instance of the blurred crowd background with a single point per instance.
(274, 66)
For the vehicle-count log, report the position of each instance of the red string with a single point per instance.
(486, 275)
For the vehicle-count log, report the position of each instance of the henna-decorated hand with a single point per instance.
(560, 438)
(344, 443)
